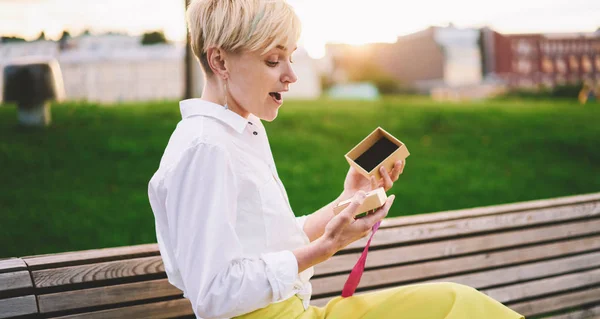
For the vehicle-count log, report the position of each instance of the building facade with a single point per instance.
(533, 60)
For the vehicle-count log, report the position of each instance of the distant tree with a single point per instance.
(86, 32)
(41, 37)
(65, 35)
(11, 39)
(154, 37)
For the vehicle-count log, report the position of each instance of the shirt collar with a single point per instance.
(191, 107)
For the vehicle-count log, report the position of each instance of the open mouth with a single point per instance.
(276, 96)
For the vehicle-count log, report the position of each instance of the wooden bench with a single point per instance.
(541, 258)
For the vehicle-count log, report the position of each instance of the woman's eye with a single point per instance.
(272, 63)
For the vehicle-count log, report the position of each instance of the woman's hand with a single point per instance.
(343, 229)
(355, 181)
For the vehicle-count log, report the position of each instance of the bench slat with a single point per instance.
(157, 310)
(406, 234)
(12, 264)
(14, 280)
(557, 303)
(106, 295)
(415, 272)
(545, 286)
(588, 313)
(489, 210)
(17, 306)
(447, 248)
(510, 275)
(98, 272)
(90, 256)
(495, 277)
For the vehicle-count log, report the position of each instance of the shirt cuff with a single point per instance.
(282, 271)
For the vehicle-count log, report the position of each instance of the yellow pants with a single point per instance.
(421, 301)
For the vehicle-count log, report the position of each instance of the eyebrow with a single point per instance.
(281, 47)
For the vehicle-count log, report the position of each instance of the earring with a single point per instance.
(226, 107)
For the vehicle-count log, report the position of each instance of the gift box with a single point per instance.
(373, 200)
(378, 149)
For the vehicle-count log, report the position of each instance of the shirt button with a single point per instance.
(255, 133)
(250, 123)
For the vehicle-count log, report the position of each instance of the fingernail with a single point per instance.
(382, 169)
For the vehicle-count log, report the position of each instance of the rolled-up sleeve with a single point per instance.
(301, 220)
(219, 279)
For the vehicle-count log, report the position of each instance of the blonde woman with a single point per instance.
(226, 232)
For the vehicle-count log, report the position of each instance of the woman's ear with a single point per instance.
(216, 61)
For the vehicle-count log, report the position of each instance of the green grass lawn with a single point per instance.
(82, 182)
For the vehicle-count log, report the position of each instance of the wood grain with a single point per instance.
(97, 272)
(15, 280)
(449, 248)
(545, 286)
(422, 271)
(106, 295)
(90, 256)
(17, 306)
(488, 210)
(462, 227)
(157, 310)
(587, 313)
(12, 264)
(556, 303)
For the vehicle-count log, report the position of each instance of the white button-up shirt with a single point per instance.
(224, 225)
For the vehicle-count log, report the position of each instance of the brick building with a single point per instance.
(530, 60)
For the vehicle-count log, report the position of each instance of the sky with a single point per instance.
(347, 21)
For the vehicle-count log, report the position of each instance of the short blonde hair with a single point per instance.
(240, 25)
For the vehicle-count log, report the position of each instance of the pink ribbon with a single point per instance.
(354, 278)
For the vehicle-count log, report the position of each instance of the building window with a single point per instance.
(597, 62)
(524, 47)
(524, 66)
(586, 64)
(561, 66)
(547, 65)
(573, 63)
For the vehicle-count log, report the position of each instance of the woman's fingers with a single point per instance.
(398, 169)
(387, 180)
(368, 221)
(357, 200)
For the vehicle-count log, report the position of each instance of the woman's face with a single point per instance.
(254, 80)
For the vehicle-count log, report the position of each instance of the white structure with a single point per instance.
(308, 85)
(353, 91)
(117, 68)
(462, 65)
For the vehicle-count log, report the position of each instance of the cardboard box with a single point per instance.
(375, 199)
(378, 149)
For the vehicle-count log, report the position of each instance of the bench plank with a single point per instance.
(98, 272)
(545, 286)
(515, 274)
(15, 280)
(90, 256)
(106, 295)
(488, 210)
(462, 227)
(557, 303)
(588, 313)
(420, 271)
(163, 309)
(447, 248)
(18, 306)
(12, 264)
(511, 275)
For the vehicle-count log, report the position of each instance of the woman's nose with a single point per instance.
(289, 76)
